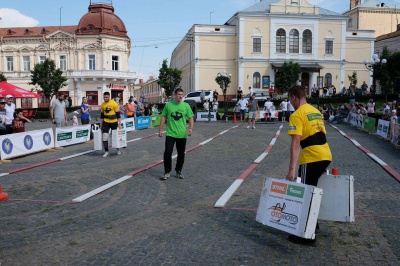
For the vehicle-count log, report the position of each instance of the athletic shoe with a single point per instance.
(106, 154)
(253, 127)
(165, 176)
(302, 241)
(248, 126)
(179, 175)
(118, 152)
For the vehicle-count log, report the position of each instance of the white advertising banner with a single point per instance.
(383, 128)
(290, 207)
(203, 116)
(395, 133)
(356, 120)
(128, 124)
(65, 136)
(274, 114)
(18, 144)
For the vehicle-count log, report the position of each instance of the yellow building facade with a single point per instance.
(254, 43)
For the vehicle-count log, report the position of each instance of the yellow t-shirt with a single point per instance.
(305, 122)
(109, 110)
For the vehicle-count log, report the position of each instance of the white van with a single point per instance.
(195, 96)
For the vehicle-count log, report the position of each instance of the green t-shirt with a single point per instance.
(176, 114)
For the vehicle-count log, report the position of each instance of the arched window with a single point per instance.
(294, 41)
(256, 81)
(328, 80)
(307, 42)
(281, 41)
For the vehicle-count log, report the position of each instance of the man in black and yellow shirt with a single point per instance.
(307, 129)
(110, 119)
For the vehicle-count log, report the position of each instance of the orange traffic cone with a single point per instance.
(3, 196)
(234, 118)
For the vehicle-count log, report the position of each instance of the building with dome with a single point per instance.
(255, 42)
(93, 56)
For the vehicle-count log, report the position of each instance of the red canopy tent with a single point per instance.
(17, 92)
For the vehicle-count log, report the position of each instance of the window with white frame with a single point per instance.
(256, 45)
(281, 41)
(115, 62)
(27, 63)
(92, 62)
(10, 63)
(307, 42)
(63, 62)
(42, 58)
(328, 46)
(257, 80)
(294, 41)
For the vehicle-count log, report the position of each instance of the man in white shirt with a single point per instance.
(267, 109)
(10, 109)
(251, 91)
(242, 103)
(284, 105)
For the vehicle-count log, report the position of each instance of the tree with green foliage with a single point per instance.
(353, 80)
(169, 78)
(386, 73)
(287, 76)
(2, 77)
(48, 77)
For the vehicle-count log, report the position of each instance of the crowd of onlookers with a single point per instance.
(11, 120)
(134, 108)
(351, 90)
(389, 111)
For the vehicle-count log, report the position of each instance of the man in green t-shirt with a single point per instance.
(175, 113)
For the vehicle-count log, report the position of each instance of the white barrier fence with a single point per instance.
(14, 145)
(65, 136)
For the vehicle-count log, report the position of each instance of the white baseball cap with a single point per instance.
(8, 96)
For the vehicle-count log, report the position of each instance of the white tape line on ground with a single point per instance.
(228, 194)
(261, 157)
(373, 156)
(355, 142)
(76, 155)
(205, 142)
(223, 132)
(4, 174)
(100, 189)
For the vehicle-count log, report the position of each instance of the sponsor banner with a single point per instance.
(369, 124)
(18, 144)
(143, 122)
(203, 116)
(286, 206)
(65, 136)
(383, 128)
(128, 124)
(155, 120)
(356, 120)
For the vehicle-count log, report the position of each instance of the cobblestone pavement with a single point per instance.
(145, 221)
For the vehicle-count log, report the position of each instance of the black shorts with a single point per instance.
(311, 172)
(105, 128)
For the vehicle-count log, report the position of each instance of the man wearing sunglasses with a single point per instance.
(10, 110)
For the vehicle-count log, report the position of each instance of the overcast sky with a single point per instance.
(154, 26)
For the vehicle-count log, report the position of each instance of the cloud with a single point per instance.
(14, 18)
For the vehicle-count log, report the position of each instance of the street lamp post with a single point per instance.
(371, 66)
(223, 79)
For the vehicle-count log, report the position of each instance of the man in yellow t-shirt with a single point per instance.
(307, 129)
(110, 119)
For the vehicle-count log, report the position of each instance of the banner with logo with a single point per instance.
(143, 122)
(203, 116)
(65, 136)
(369, 123)
(128, 124)
(395, 133)
(155, 120)
(290, 207)
(18, 144)
(383, 128)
